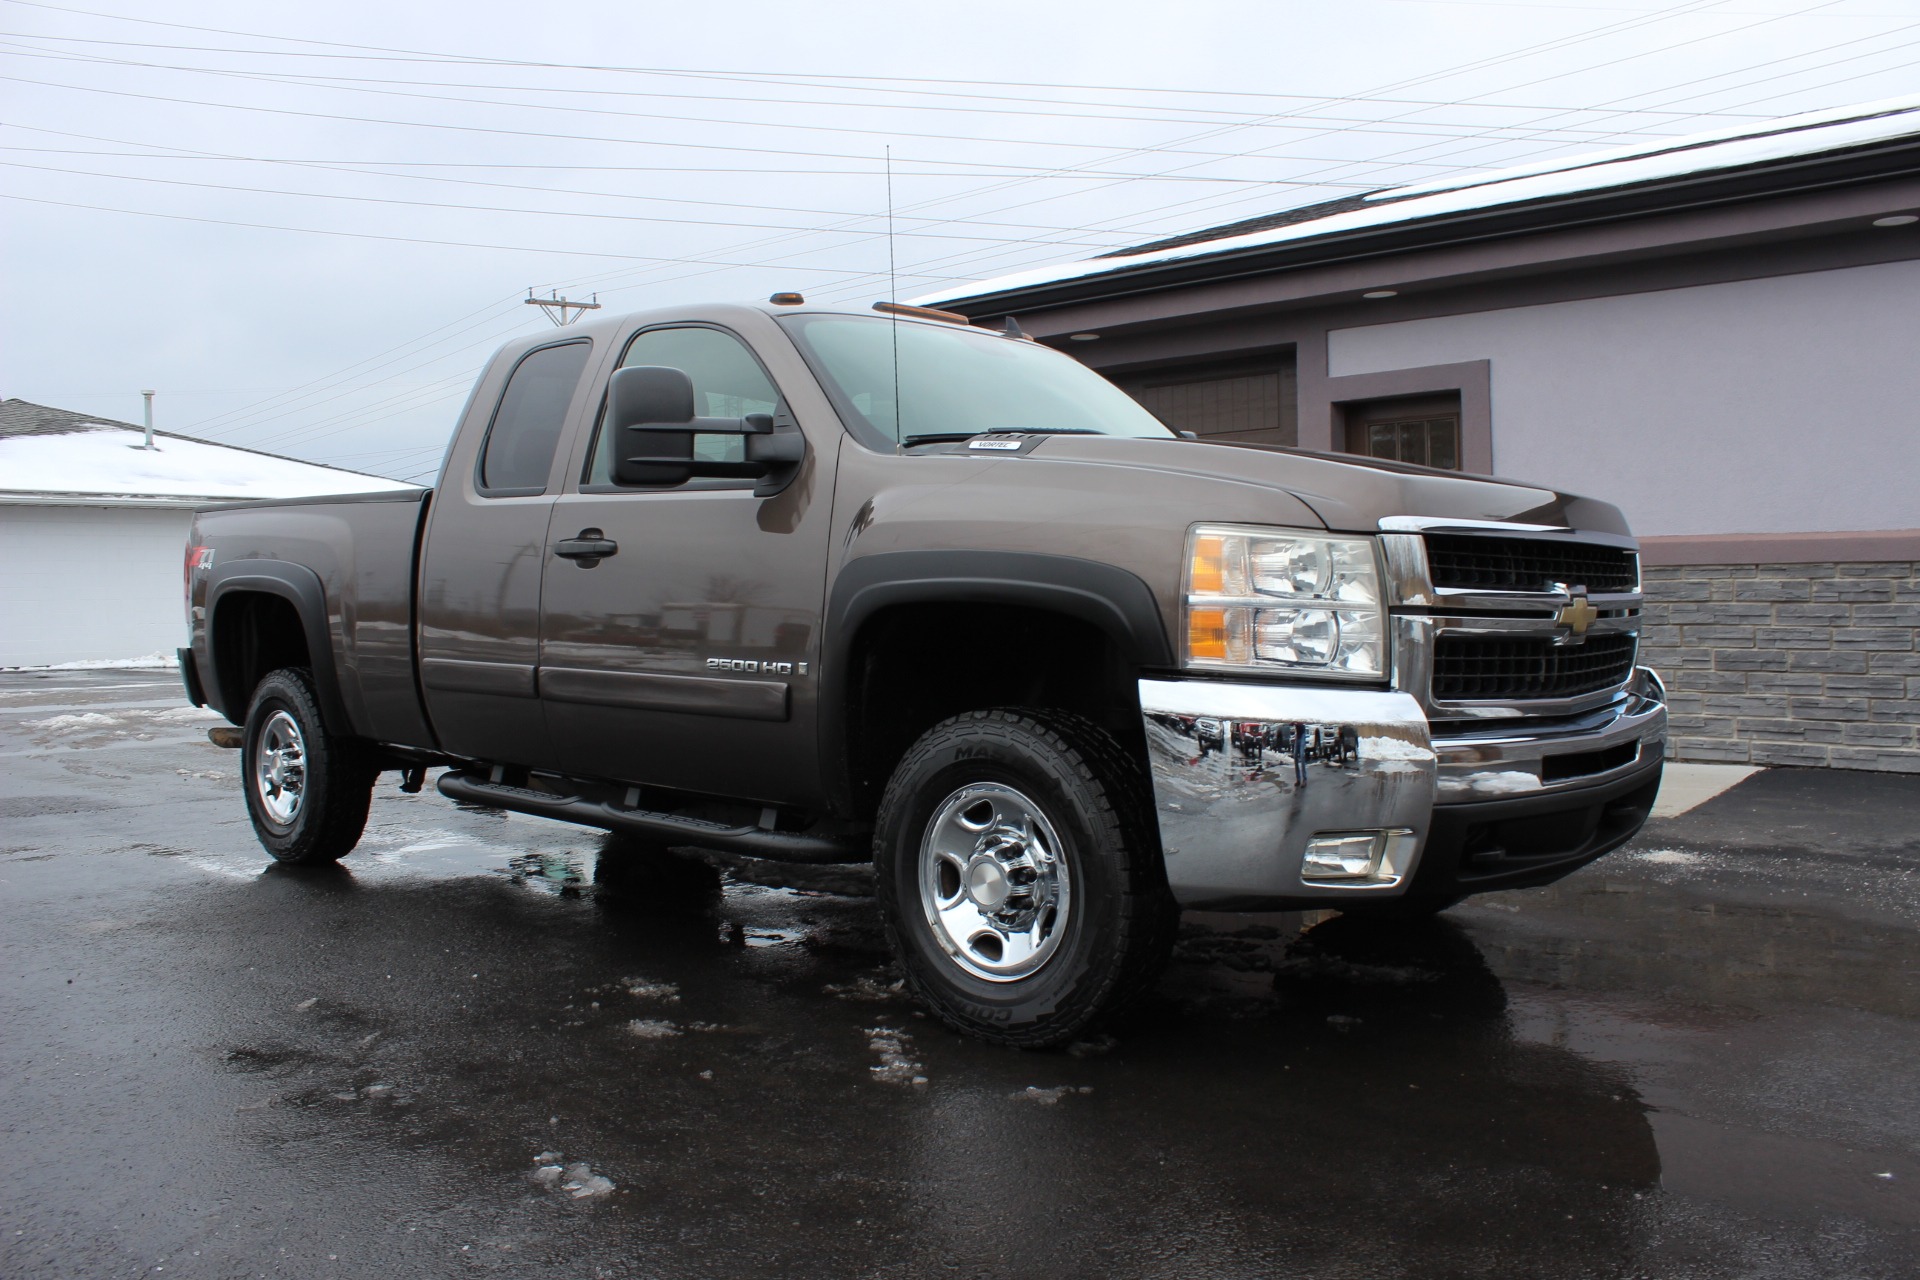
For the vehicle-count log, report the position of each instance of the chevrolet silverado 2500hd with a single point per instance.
(815, 585)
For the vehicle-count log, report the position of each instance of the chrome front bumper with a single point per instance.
(1246, 777)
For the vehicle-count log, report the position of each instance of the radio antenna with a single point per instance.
(893, 295)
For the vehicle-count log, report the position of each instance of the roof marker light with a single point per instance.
(924, 313)
(1897, 220)
(1381, 293)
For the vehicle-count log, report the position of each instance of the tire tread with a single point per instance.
(1122, 817)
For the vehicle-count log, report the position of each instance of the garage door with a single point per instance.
(89, 583)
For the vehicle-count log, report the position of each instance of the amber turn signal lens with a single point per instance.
(1206, 631)
(1207, 576)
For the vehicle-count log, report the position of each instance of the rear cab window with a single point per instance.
(518, 454)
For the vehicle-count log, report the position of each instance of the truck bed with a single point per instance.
(358, 552)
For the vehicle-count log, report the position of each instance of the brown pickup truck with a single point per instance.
(815, 585)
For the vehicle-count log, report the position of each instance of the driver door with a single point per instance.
(687, 657)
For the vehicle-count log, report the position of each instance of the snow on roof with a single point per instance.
(1802, 135)
(53, 454)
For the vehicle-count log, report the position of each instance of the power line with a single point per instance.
(353, 83)
(1478, 64)
(841, 81)
(477, 208)
(366, 235)
(651, 142)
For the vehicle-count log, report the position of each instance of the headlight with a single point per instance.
(1263, 599)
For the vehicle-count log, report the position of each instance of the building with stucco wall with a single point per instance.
(1714, 332)
(93, 529)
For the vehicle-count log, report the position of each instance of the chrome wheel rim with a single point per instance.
(994, 882)
(280, 768)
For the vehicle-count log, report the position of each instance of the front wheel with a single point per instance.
(1019, 877)
(308, 790)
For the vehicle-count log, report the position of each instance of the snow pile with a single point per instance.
(896, 1066)
(147, 662)
(1048, 1097)
(111, 462)
(78, 723)
(868, 988)
(578, 1179)
(651, 1029)
(645, 989)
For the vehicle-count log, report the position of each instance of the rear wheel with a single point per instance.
(1019, 876)
(307, 789)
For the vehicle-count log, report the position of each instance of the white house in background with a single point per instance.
(93, 529)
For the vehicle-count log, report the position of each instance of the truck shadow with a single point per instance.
(712, 1046)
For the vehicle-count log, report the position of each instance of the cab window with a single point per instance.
(727, 383)
(527, 423)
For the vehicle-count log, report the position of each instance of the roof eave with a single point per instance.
(1873, 162)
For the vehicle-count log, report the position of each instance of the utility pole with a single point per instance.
(560, 310)
(149, 399)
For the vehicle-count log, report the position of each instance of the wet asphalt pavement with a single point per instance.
(1700, 1057)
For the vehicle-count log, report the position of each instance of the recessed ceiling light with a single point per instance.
(1381, 293)
(1084, 337)
(1897, 220)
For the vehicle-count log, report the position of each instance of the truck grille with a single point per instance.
(1472, 562)
(1472, 668)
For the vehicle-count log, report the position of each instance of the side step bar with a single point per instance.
(756, 842)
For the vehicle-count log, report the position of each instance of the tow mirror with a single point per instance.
(650, 408)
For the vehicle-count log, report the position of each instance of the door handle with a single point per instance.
(589, 549)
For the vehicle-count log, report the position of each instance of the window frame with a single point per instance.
(1360, 417)
(480, 486)
(782, 416)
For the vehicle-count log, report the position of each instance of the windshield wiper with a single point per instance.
(949, 437)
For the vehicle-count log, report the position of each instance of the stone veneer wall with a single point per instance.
(1789, 664)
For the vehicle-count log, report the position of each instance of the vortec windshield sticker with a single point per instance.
(1003, 445)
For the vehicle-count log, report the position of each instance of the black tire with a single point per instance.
(1120, 919)
(323, 819)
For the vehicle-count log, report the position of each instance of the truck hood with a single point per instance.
(1348, 493)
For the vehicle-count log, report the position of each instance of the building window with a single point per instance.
(1425, 430)
(1249, 401)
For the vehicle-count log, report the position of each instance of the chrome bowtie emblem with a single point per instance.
(1577, 614)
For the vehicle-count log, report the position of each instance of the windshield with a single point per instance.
(956, 382)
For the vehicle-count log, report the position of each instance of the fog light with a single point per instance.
(1343, 857)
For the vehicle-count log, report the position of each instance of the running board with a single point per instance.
(756, 842)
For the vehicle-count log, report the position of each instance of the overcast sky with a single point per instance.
(308, 226)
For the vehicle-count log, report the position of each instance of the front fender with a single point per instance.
(1116, 602)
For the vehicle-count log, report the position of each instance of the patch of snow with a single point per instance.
(1048, 1097)
(111, 462)
(177, 715)
(651, 1029)
(578, 1179)
(1669, 858)
(896, 1066)
(150, 662)
(1608, 155)
(78, 723)
(868, 989)
(644, 989)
